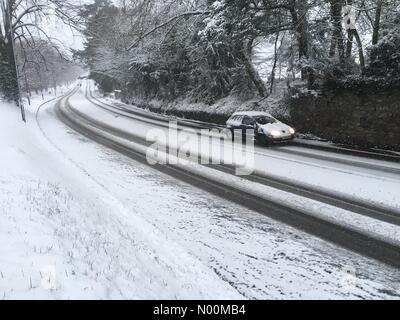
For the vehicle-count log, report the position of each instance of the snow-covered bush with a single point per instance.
(385, 55)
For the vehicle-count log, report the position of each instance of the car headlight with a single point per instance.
(292, 131)
(275, 133)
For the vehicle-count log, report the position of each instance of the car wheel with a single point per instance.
(244, 136)
(263, 140)
(233, 134)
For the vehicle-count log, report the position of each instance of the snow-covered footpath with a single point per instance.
(80, 221)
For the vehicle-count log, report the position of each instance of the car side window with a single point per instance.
(248, 121)
(233, 119)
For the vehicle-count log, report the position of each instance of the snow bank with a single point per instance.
(63, 237)
(218, 112)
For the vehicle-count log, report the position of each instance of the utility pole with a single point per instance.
(21, 105)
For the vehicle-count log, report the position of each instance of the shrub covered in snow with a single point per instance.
(385, 56)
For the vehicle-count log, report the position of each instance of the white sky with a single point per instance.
(65, 35)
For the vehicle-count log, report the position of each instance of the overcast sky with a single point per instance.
(65, 35)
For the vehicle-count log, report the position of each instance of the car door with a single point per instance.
(237, 123)
(247, 125)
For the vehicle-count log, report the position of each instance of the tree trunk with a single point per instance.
(8, 75)
(350, 35)
(275, 62)
(376, 27)
(298, 11)
(349, 47)
(360, 49)
(299, 8)
(377, 23)
(252, 72)
(337, 34)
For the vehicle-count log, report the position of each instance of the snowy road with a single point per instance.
(365, 225)
(132, 231)
(355, 179)
(221, 228)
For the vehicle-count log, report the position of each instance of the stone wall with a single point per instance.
(364, 116)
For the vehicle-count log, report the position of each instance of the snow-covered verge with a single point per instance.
(63, 237)
(218, 112)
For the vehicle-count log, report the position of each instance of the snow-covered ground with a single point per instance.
(348, 180)
(81, 221)
(64, 236)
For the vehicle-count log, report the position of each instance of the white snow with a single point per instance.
(363, 224)
(81, 221)
(63, 236)
(366, 185)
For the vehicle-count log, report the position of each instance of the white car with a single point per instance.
(267, 130)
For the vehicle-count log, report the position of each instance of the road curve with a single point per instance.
(348, 238)
(329, 150)
(314, 193)
(386, 164)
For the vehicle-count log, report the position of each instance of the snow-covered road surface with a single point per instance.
(97, 224)
(366, 180)
(358, 217)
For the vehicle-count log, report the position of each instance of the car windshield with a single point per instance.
(265, 120)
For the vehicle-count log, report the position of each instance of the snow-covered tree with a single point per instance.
(21, 21)
(204, 49)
